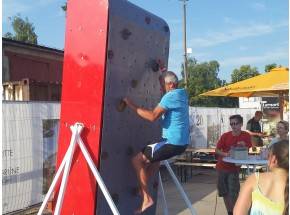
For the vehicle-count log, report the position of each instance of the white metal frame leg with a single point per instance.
(65, 167)
(179, 187)
(164, 203)
(74, 129)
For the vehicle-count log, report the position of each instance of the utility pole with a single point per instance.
(184, 43)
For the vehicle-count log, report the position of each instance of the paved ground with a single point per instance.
(201, 190)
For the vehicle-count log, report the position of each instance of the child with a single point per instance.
(267, 193)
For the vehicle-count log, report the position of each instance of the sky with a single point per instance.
(235, 33)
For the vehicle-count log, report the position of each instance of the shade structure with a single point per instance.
(271, 84)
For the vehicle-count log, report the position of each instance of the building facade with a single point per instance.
(30, 72)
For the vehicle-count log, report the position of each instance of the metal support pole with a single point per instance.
(165, 207)
(179, 187)
(184, 45)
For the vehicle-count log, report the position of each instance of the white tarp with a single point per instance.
(22, 152)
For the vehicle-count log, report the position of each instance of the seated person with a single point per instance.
(282, 131)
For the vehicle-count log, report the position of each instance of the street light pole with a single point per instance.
(184, 43)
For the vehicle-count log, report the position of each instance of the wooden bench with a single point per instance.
(182, 168)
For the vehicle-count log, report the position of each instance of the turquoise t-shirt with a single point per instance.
(175, 121)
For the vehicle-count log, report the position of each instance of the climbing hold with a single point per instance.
(125, 33)
(147, 20)
(154, 65)
(110, 54)
(134, 83)
(155, 185)
(161, 64)
(166, 28)
(121, 105)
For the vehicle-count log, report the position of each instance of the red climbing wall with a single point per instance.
(113, 49)
(82, 96)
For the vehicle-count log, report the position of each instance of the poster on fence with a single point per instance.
(213, 127)
(50, 130)
(198, 127)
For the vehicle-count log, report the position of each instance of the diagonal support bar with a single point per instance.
(75, 129)
(165, 207)
(179, 187)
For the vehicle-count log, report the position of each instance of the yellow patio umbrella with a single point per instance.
(273, 83)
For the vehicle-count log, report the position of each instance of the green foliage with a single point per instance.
(64, 7)
(23, 30)
(203, 77)
(243, 73)
(8, 35)
(270, 66)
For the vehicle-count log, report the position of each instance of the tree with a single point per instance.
(203, 77)
(243, 73)
(23, 30)
(64, 7)
(270, 66)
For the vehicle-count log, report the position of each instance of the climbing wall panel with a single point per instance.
(113, 50)
(138, 44)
